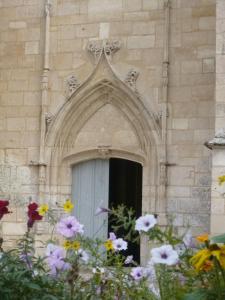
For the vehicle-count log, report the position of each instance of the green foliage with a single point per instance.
(25, 276)
(218, 239)
(20, 282)
(123, 219)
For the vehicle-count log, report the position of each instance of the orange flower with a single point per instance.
(202, 238)
(208, 265)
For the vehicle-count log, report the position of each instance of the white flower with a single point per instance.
(128, 260)
(83, 255)
(138, 273)
(98, 270)
(188, 240)
(145, 223)
(164, 255)
(119, 244)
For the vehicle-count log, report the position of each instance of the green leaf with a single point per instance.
(197, 295)
(218, 239)
(33, 286)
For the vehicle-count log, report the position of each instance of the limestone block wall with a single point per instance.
(21, 47)
(218, 151)
(140, 27)
(191, 111)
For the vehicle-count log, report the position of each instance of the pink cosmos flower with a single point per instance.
(69, 227)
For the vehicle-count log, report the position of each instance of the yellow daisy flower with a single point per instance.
(67, 245)
(75, 245)
(201, 259)
(68, 206)
(221, 179)
(43, 209)
(108, 245)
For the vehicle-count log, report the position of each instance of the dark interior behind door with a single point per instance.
(125, 187)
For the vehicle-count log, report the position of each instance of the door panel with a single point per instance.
(90, 189)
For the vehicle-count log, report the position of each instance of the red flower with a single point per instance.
(33, 214)
(32, 206)
(3, 208)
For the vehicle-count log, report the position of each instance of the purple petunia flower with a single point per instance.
(112, 236)
(119, 244)
(101, 209)
(138, 273)
(55, 260)
(69, 227)
(145, 223)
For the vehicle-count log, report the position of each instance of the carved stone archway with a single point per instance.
(104, 117)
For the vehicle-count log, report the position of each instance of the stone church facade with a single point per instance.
(140, 80)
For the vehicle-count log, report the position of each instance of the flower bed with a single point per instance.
(83, 268)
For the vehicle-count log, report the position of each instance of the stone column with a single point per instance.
(217, 144)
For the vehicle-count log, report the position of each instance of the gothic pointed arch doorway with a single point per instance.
(106, 183)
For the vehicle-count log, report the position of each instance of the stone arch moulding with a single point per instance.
(103, 87)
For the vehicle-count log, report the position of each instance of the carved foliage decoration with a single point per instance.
(48, 118)
(72, 84)
(131, 78)
(96, 48)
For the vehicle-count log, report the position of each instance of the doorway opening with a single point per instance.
(106, 183)
(125, 187)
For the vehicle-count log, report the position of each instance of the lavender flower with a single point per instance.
(69, 227)
(55, 260)
(164, 255)
(101, 209)
(138, 273)
(119, 244)
(145, 223)
(112, 236)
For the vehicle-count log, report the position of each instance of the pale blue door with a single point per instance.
(90, 188)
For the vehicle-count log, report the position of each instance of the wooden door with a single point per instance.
(90, 186)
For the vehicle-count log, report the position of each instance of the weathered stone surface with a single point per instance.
(196, 70)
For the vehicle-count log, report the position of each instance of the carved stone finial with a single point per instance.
(131, 78)
(72, 84)
(96, 48)
(48, 118)
(218, 140)
(47, 8)
(110, 47)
